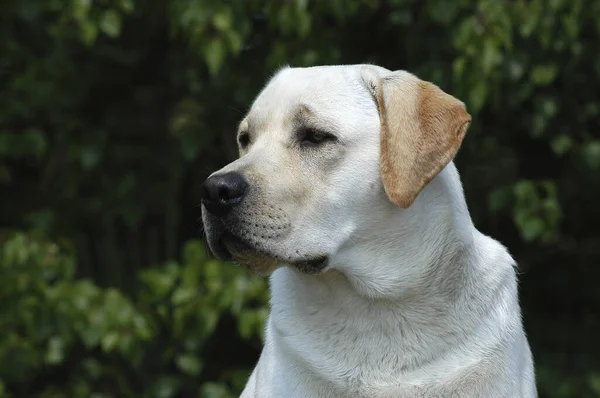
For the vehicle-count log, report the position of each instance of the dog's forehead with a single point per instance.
(331, 90)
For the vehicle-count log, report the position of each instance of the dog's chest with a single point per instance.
(359, 347)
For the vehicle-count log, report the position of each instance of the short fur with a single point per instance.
(412, 300)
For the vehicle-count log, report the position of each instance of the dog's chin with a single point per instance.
(233, 248)
(244, 254)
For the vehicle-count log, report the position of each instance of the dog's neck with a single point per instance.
(402, 296)
(395, 255)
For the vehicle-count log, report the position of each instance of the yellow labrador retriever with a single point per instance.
(346, 195)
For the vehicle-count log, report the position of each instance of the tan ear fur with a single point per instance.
(422, 128)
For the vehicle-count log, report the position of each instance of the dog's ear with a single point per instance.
(422, 128)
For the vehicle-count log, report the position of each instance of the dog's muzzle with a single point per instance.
(240, 227)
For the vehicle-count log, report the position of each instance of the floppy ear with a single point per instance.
(422, 128)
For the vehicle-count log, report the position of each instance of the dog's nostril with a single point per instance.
(223, 193)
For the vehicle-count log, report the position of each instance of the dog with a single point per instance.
(346, 194)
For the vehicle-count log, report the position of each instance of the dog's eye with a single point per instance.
(314, 137)
(244, 139)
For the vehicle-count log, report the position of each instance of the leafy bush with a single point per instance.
(75, 339)
(112, 113)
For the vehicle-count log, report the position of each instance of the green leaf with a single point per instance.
(215, 390)
(92, 336)
(36, 141)
(515, 69)
(56, 350)
(165, 387)
(524, 189)
(189, 364)
(549, 106)
(531, 228)
(543, 75)
(303, 22)
(90, 157)
(561, 144)
(110, 341)
(571, 26)
(478, 95)
(93, 367)
(222, 20)
(458, 67)
(530, 21)
(194, 252)
(490, 56)
(591, 154)
(214, 55)
(126, 5)
(81, 9)
(110, 23)
(30, 143)
(89, 32)
(594, 382)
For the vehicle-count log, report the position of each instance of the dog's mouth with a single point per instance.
(312, 266)
(231, 247)
(232, 244)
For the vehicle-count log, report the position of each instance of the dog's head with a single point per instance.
(322, 150)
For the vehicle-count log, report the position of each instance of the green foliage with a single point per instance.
(104, 343)
(112, 113)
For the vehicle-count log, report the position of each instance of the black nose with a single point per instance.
(221, 192)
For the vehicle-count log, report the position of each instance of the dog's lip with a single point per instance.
(313, 265)
(220, 251)
(315, 262)
(231, 244)
(226, 245)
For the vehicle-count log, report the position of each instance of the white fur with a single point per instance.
(413, 303)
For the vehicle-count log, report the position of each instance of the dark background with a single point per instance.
(113, 112)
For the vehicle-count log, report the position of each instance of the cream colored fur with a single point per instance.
(414, 301)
